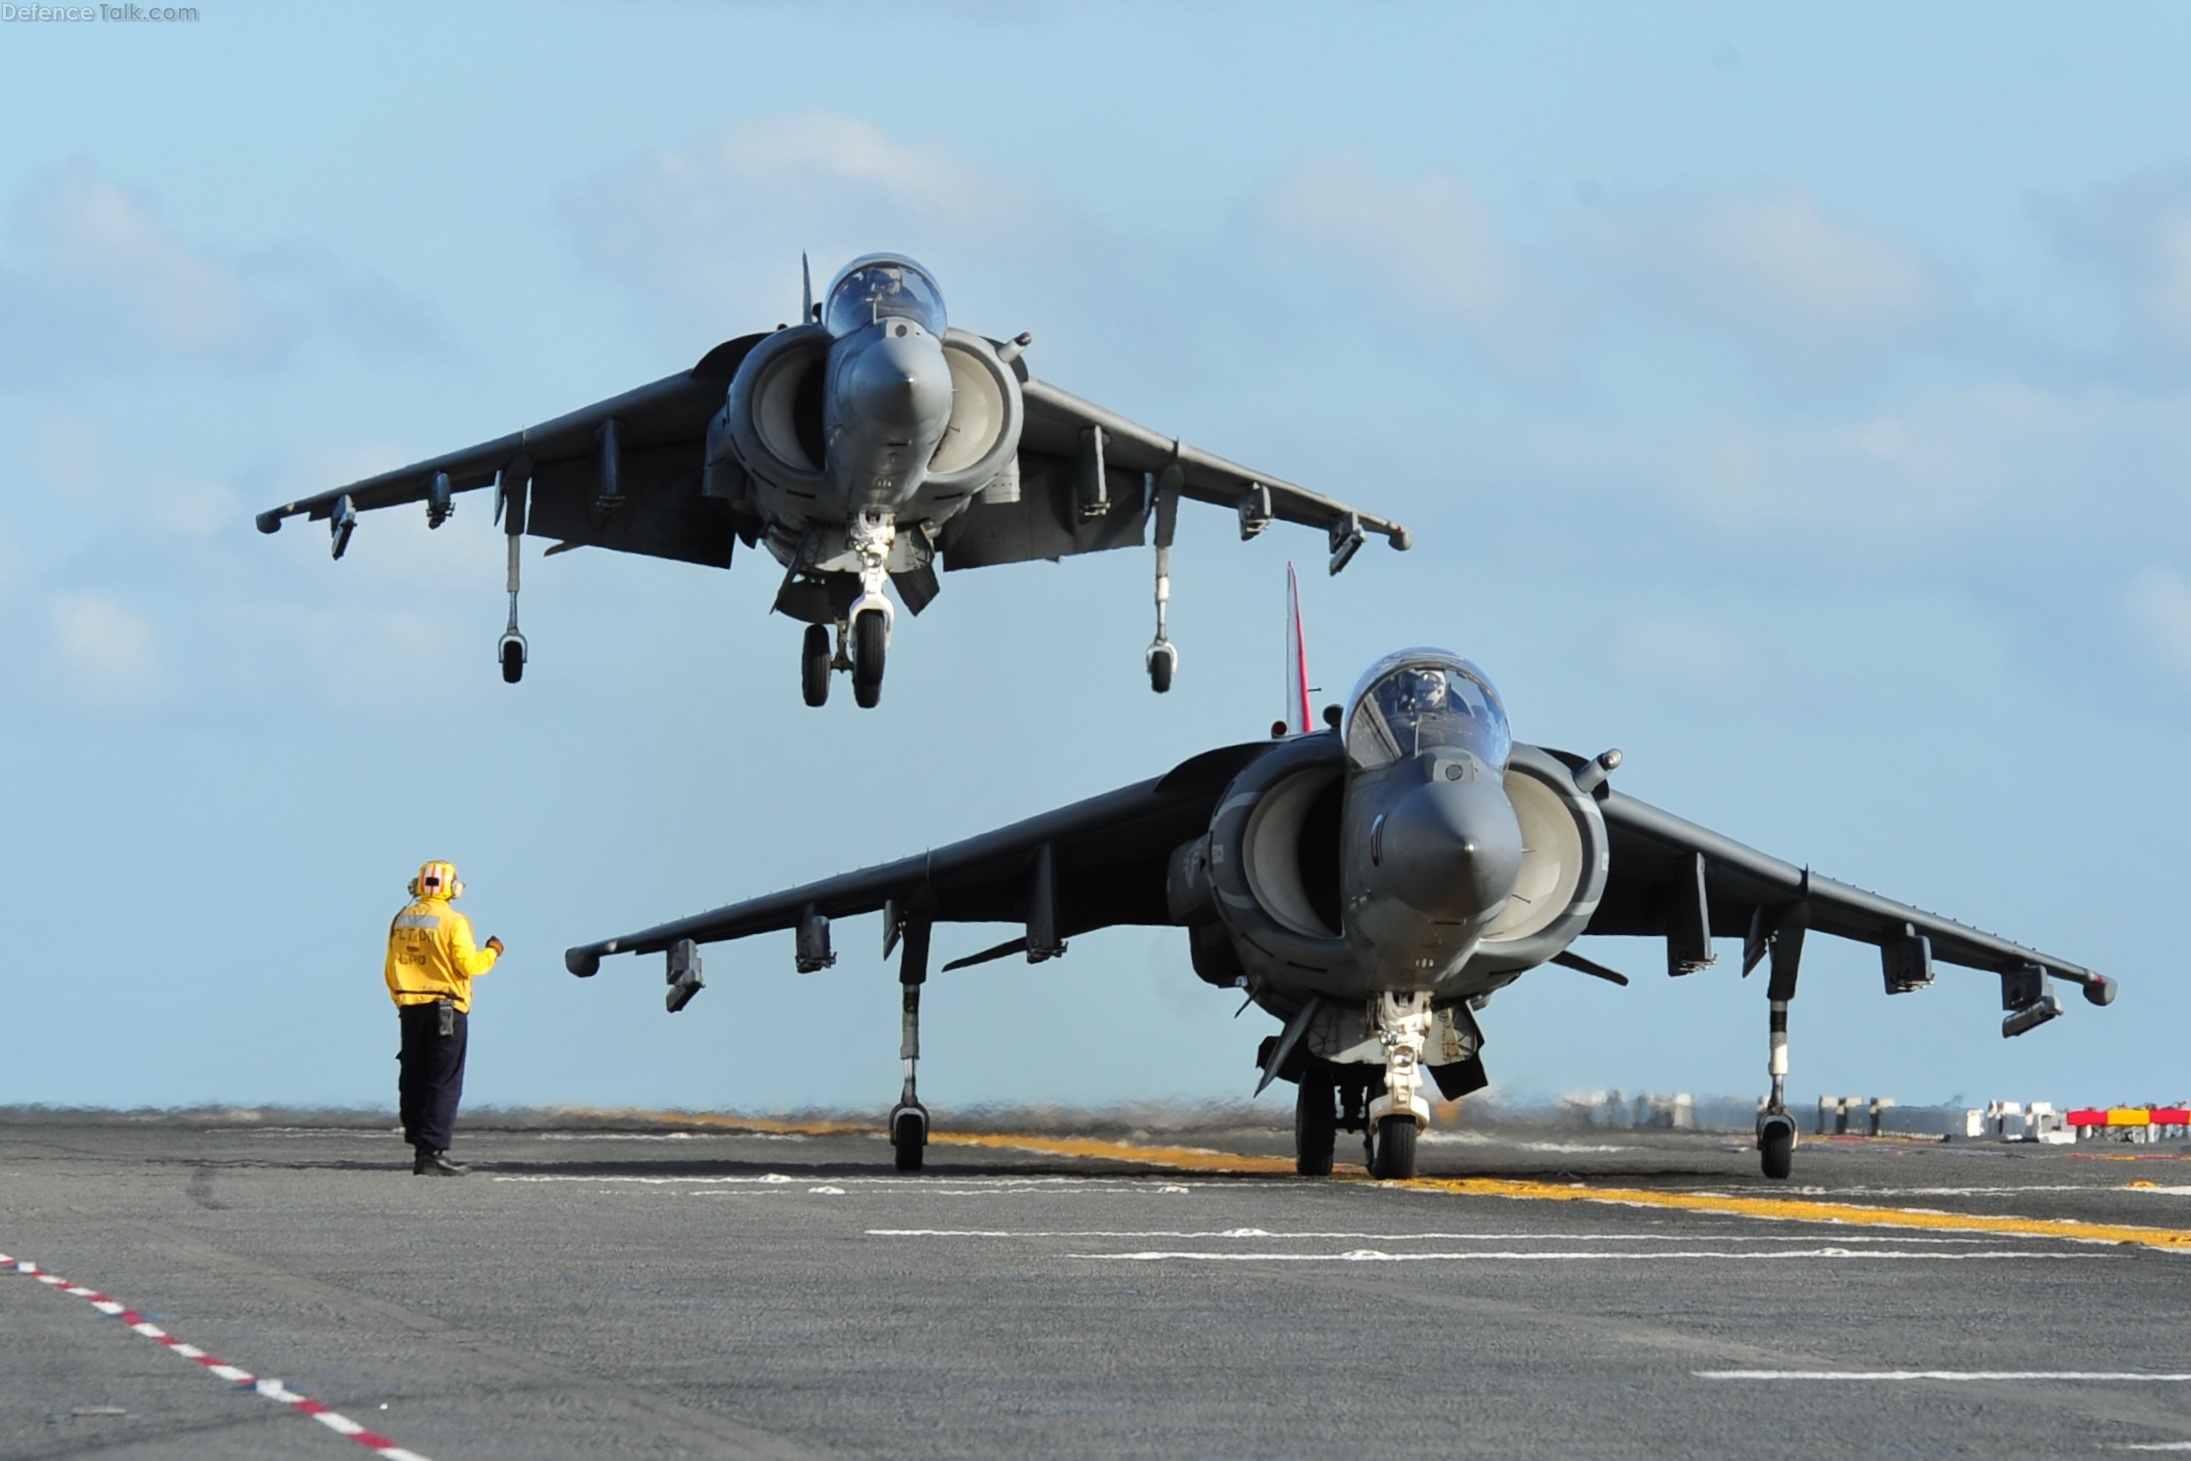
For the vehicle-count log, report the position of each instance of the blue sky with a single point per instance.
(1797, 399)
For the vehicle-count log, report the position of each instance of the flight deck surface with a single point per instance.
(710, 1289)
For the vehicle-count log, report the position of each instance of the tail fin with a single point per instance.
(1298, 720)
(806, 290)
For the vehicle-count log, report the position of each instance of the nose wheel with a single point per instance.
(1392, 1149)
(870, 643)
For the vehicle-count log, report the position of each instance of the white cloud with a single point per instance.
(1692, 649)
(195, 509)
(90, 230)
(105, 650)
(2157, 603)
(718, 228)
(1430, 236)
(70, 455)
(105, 278)
(2136, 233)
(1948, 473)
(1796, 288)
(1431, 242)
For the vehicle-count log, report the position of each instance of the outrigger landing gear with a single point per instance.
(909, 1118)
(1782, 935)
(511, 649)
(1403, 1024)
(1163, 656)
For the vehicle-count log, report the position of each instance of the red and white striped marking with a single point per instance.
(340, 1424)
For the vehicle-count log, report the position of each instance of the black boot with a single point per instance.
(437, 1164)
(418, 1161)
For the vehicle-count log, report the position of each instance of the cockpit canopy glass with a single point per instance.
(881, 287)
(1422, 700)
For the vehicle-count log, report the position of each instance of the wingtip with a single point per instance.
(585, 963)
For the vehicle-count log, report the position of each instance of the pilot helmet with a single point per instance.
(1422, 689)
(437, 880)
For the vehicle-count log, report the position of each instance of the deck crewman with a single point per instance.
(431, 965)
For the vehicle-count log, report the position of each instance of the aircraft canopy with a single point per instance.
(882, 286)
(1425, 699)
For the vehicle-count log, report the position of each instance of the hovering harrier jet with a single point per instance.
(862, 446)
(1372, 885)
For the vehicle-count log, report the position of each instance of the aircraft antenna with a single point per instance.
(806, 290)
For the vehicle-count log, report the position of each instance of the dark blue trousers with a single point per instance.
(432, 1079)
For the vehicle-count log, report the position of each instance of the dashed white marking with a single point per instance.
(274, 1390)
(2146, 1377)
(1478, 1138)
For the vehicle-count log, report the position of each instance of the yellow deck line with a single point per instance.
(1194, 1159)
(1807, 1210)
(1186, 1158)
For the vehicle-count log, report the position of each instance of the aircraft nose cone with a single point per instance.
(903, 381)
(1453, 849)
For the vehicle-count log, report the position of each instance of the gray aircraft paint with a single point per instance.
(861, 449)
(1322, 877)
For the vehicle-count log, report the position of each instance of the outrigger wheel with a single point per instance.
(1163, 660)
(1776, 1145)
(814, 665)
(870, 638)
(908, 1137)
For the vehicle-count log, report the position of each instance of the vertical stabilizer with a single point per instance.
(1297, 659)
(806, 290)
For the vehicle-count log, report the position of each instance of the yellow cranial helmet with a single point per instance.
(437, 880)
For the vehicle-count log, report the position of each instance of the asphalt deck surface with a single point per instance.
(711, 1291)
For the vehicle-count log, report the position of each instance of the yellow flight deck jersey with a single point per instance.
(431, 955)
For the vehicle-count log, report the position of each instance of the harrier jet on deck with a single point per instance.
(862, 446)
(1372, 886)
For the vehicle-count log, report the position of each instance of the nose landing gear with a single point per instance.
(1403, 1024)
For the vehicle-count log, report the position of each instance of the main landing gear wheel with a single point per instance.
(1776, 1147)
(1315, 1126)
(909, 1137)
(1392, 1158)
(513, 661)
(814, 665)
(870, 637)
